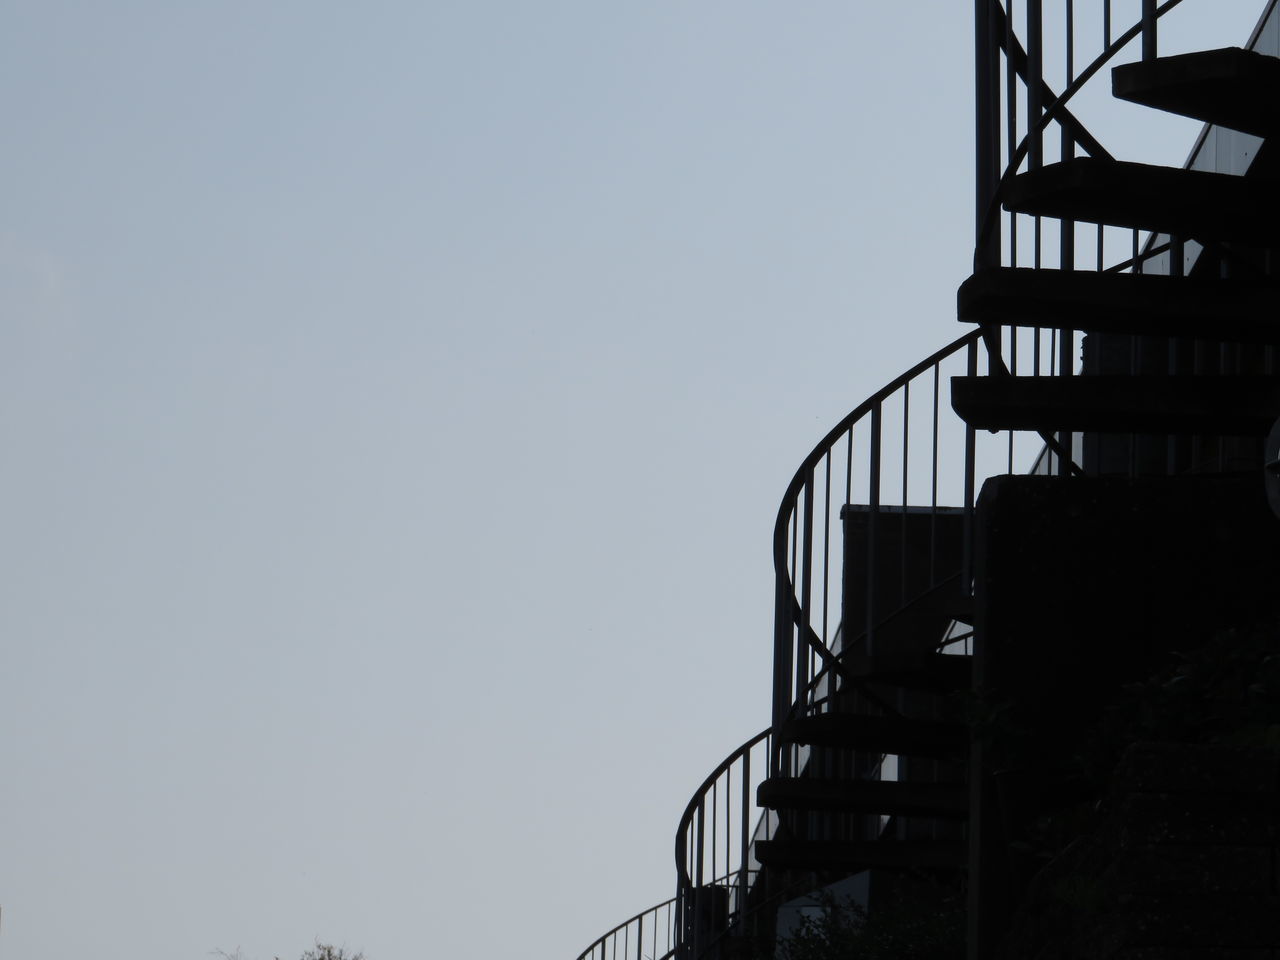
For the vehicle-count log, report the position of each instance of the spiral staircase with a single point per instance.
(1124, 320)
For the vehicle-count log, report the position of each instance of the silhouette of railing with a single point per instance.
(1032, 64)
(649, 935)
(715, 870)
(870, 459)
(1035, 112)
(862, 489)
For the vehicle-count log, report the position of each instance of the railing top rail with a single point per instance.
(839, 430)
(600, 940)
(686, 819)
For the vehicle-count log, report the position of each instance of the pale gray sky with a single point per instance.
(395, 399)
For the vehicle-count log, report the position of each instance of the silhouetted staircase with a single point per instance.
(870, 763)
(1233, 87)
(1185, 203)
(1174, 404)
(1242, 310)
(847, 856)
(934, 739)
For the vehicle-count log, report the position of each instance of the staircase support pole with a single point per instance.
(987, 133)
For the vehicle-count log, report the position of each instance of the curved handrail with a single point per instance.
(698, 801)
(803, 647)
(725, 841)
(607, 947)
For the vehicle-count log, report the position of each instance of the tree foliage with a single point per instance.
(324, 951)
(843, 930)
(321, 951)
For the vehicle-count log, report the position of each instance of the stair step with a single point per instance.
(856, 854)
(1184, 203)
(1231, 87)
(913, 670)
(917, 627)
(1219, 406)
(897, 735)
(1125, 303)
(902, 798)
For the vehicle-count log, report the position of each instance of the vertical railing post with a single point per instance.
(1149, 43)
(1035, 81)
(987, 134)
(744, 828)
(699, 890)
(783, 644)
(873, 515)
(970, 468)
(802, 653)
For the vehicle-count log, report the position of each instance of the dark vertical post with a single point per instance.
(803, 649)
(744, 828)
(873, 516)
(1176, 361)
(1035, 81)
(987, 134)
(783, 642)
(970, 466)
(1149, 45)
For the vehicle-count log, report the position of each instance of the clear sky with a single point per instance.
(394, 402)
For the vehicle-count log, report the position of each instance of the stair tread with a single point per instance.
(897, 735)
(1219, 406)
(905, 798)
(1126, 303)
(1184, 203)
(819, 854)
(1231, 87)
(913, 669)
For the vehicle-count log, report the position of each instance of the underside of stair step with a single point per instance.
(1124, 303)
(902, 798)
(933, 672)
(1231, 87)
(896, 735)
(1190, 204)
(1218, 406)
(919, 625)
(852, 855)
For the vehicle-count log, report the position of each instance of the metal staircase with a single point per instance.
(1126, 317)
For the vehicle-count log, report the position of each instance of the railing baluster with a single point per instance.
(933, 483)
(873, 513)
(906, 448)
(806, 591)
(986, 131)
(1149, 18)
(1011, 121)
(826, 545)
(715, 831)
(745, 828)
(970, 460)
(1071, 44)
(848, 469)
(1035, 81)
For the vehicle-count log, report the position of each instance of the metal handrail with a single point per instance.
(810, 670)
(709, 844)
(804, 575)
(621, 943)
